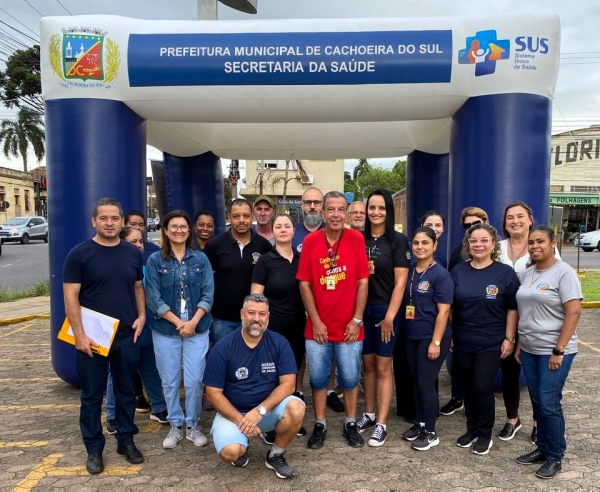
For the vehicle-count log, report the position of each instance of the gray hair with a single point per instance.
(333, 194)
(255, 298)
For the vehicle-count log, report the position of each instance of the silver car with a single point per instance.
(23, 229)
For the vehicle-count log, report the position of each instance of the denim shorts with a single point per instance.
(347, 358)
(372, 344)
(226, 432)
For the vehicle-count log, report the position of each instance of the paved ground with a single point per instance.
(41, 449)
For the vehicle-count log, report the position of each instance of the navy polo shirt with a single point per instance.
(233, 271)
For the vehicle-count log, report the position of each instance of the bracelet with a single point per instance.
(511, 340)
(555, 351)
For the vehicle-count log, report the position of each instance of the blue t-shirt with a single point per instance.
(482, 298)
(433, 287)
(248, 376)
(300, 233)
(107, 275)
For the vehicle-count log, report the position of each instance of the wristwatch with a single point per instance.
(359, 322)
(511, 340)
(555, 351)
(262, 410)
(436, 342)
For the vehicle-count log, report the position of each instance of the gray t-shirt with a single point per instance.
(540, 302)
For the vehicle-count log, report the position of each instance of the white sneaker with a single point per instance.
(173, 437)
(195, 435)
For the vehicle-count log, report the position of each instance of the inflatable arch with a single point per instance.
(468, 100)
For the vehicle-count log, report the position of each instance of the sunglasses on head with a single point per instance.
(466, 225)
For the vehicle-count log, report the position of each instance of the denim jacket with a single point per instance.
(166, 279)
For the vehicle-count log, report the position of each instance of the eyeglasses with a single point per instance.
(182, 228)
(312, 203)
(484, 241)
(466, 225)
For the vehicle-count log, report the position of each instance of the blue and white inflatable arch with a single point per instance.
(468, 100)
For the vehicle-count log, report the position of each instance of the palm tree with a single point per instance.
(16, 136)
(362, 167)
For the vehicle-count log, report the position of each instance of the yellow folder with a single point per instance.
(97, 326)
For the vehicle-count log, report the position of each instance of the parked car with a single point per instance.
(157, 223)
(23, 229)
(150, 224)
(589, 241)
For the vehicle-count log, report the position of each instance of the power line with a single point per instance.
(37, 41)
(14, 18)
(59, 3)
(27, 2)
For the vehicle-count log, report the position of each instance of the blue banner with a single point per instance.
(295, 58)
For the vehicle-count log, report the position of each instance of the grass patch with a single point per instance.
(38, 289)
(590, 285)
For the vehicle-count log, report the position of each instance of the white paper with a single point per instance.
(96, 326)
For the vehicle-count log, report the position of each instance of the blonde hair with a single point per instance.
(473, 212)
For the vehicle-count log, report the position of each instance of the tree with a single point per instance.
(20, 83)
(15, 136)
(392, 180)
(227, 194)
(363, 166)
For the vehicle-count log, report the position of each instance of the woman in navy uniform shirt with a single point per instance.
(484, 324)
(426, 308)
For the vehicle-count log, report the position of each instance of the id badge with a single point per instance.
(371, 264)
(410, 312)
(183, 311)
(330, 281)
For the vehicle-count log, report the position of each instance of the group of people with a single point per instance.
(342, 293)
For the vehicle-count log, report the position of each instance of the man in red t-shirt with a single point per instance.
(333, 275)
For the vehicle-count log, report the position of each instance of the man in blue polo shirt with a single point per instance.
(233, 255)
(250, 376)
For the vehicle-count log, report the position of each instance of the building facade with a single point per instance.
(22, 193)
(268, 177)
(575, 178)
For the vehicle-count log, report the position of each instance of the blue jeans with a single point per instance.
(545, 390)
(169, 352)
(93, 374)
(221, 327)
(347, 358)
(150, 378)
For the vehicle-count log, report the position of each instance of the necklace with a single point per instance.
(515, 253)
(541, 272)
(377, 236)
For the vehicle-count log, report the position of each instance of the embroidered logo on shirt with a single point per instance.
(242, 373)
(491, 291)
(423, 286)
(255, 257)
(267, 367)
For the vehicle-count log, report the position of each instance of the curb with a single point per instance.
(20, 319)
(590, 304)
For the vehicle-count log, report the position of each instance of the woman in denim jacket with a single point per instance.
(179, 292)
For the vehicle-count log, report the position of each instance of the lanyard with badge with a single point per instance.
(410, 309)
(371, 262)
(330, 279)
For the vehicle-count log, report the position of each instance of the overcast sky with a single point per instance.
(577, 97)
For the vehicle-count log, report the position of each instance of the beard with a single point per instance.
(255, 330)
(312, 220)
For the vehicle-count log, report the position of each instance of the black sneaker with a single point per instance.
(142, 405)
(268, 437)
(279, 464)
(334, 402)
(425, 441)
(318, 437)
(412, 433)
(297, 394)
(536, 456)
(452, 406)
(242, 461)
(482, 445)
(351, 434)
(467, 440)
(549, 469)
(111, 428)
(365, 423)
(510, 430)
(378, 437)
(301, 432)
(160, 417)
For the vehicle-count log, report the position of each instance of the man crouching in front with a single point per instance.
(250, 376)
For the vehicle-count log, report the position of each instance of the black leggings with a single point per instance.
(478, 372)
(511, 390)
(425, 373)
(405, 385)
(292, 328)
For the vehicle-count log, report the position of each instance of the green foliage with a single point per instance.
(15, 136)
(590, 285)
(366, 178)
(36, 290)
(20, 83)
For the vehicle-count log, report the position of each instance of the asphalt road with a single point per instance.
(22, 265)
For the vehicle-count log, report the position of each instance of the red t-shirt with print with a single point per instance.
(335, 306)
